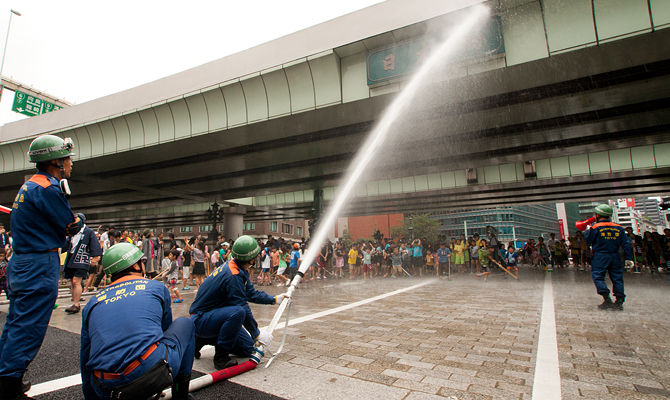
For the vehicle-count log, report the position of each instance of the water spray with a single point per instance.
(376, 138)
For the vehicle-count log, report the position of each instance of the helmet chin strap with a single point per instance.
(63, 183)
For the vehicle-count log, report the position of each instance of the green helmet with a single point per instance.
(604, 210)
(119, 257)
(50, 147)
(245, 248)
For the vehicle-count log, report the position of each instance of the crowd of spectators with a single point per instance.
(280, 259)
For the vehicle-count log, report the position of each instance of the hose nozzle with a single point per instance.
(581, 225)
(258, 353)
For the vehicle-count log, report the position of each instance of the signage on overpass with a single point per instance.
(30, 105)
(398, 60)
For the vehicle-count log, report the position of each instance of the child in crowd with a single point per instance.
(442, 261)
(353, 259)
(406, 258)
(396, 263)
(264, 276)
(339, 263)
(459, 256)
(484, 259)
(274, 259)
(512, 259)
(544, 254)
(430, 260)
(367, 263)
(284, 259)
(171, 271)
(474, 250)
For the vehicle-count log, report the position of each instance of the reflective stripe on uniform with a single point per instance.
(40, 180)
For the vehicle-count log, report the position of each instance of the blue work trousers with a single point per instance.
(32, 290)
(602, 264)
(179, 344)
(225, 324)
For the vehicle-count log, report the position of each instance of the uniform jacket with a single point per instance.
(120, 323)
(606, 237)
(40, 214)
(229, 285)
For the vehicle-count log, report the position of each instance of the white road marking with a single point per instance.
(350, 306)
(547, 380)
(56, 384)
(62, 383)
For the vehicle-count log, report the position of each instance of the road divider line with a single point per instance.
(56, 384)
(345, 307)
(547, 379)
(73, 380)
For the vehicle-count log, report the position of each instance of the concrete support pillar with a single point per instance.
(233, 222)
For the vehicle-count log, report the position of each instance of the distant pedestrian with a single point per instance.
(83, 253)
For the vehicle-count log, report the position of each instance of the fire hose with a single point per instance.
(252, 363)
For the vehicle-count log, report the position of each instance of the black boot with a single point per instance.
(607, 303)
(199, 342)
(12, 388)
(222, 360)
(618, 304)
(180, 388)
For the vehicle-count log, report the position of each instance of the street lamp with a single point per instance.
(4, 51)
(214, 214)
(411, 228)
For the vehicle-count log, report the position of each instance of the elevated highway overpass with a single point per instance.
(561, 113)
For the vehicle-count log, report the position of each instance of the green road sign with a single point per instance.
(398, 60)
(49, 107)
(30, 105)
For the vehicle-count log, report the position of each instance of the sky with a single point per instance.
(79, 50)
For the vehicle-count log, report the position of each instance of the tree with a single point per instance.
(425, 228)
(378, 236)
(345, 239)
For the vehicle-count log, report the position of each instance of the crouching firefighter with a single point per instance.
(130, 347)
(605, 239)
(221, 311)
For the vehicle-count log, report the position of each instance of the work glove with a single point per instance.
(265, 337)
(280, 297)
(629, 264)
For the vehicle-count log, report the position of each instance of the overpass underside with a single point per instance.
(609, 101)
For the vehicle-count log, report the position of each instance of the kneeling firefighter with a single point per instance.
(605, 239)
(130, 347)
(221, 311)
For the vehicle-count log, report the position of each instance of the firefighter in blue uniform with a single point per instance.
(221, 311)
(40, 220)
(130, 347)
(605, 239)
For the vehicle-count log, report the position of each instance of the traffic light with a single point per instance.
(665, 203)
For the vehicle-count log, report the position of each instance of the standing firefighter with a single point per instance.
(221, 311)
(40, 219)
(605, 239)
(130, 347)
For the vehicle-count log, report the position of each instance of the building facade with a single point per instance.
(290, 229)
(649, 207)
(512, 223)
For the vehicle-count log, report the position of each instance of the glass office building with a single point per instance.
(513, 222)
